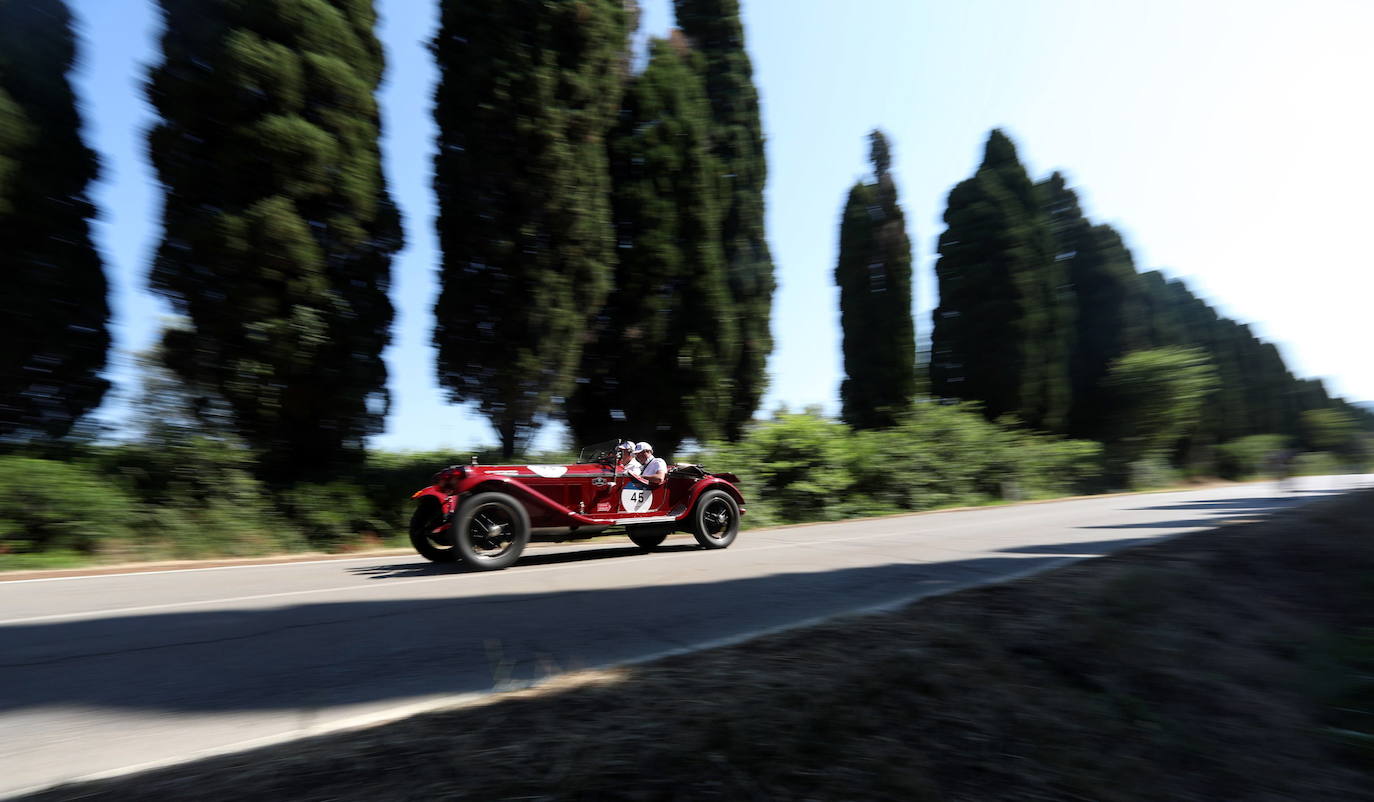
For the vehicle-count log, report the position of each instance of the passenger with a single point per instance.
(654, 470)
(624, 458)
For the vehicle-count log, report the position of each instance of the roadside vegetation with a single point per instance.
(1229, 664)
(177, 494)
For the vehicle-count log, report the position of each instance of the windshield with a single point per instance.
(598, 452)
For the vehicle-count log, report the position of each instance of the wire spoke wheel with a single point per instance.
(716, 520)
(491, 531)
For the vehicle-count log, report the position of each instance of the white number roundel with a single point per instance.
(636, 497)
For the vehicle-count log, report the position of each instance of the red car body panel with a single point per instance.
(571, 497)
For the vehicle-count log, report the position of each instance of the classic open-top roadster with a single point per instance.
(484, 515)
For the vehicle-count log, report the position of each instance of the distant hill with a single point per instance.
(1368, 406)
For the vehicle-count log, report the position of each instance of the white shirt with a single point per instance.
(655, 467)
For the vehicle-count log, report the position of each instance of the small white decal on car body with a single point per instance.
(548, 471)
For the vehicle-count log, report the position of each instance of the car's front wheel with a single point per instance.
(715, 520)
(430, 541)
(490, 531)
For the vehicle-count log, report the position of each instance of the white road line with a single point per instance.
(189, 570)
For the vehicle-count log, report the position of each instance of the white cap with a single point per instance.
(643, 446)
(625, 445)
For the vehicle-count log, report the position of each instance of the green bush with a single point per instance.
(1151, 472)
(795, 464)
(1255, 455)
(806, 467)
(1045, 467)
(200, 499)
(1319, 463)
(54, 506)
(334, 515)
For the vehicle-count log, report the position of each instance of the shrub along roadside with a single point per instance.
(197, 498)
(806, 467)
(188, 497)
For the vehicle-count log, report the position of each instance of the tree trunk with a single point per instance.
(507, 430)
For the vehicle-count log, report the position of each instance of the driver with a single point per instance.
(624, 457)
(652, 470)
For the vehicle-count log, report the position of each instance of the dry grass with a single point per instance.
(1232, 664)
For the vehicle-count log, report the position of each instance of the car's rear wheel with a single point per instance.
(715, 520)
(649, 537)
(430, 541)
(490, 531)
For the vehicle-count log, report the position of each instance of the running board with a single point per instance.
(657, 519)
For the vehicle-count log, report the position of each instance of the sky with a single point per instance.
(1226, 140)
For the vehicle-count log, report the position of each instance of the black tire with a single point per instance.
(649, 537)
(715, 519)
(435, 547)
(490, 531)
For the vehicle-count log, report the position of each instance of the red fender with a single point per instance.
(446, 501)
(704, 484)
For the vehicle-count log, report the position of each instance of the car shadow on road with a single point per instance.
(1184, 523)
(1238, 505)
(422, 567)
(442, 640)
(1086, 547)
(1222, 511)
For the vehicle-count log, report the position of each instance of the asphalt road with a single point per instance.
(102, 675)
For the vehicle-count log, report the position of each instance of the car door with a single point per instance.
(640, 498)
(603, 492)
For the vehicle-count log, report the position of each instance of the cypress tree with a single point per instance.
(527, 92)
(1109, 318)
(874, 276)
(660, 360)
(1163, 328)
(1001, 328)
(54, 307)
(1257, 392)
(714, 29)
(279, 229)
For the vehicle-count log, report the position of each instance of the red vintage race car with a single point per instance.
(484, 515)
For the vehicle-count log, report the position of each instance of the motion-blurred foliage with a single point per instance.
(805, 467)
(47, 505)
(1158, 397)
(1256, 455)
(181, 496)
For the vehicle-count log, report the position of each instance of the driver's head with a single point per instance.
(644, 451)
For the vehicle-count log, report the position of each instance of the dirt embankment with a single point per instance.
(1232, 664)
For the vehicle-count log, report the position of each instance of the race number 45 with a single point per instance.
(636, 497)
